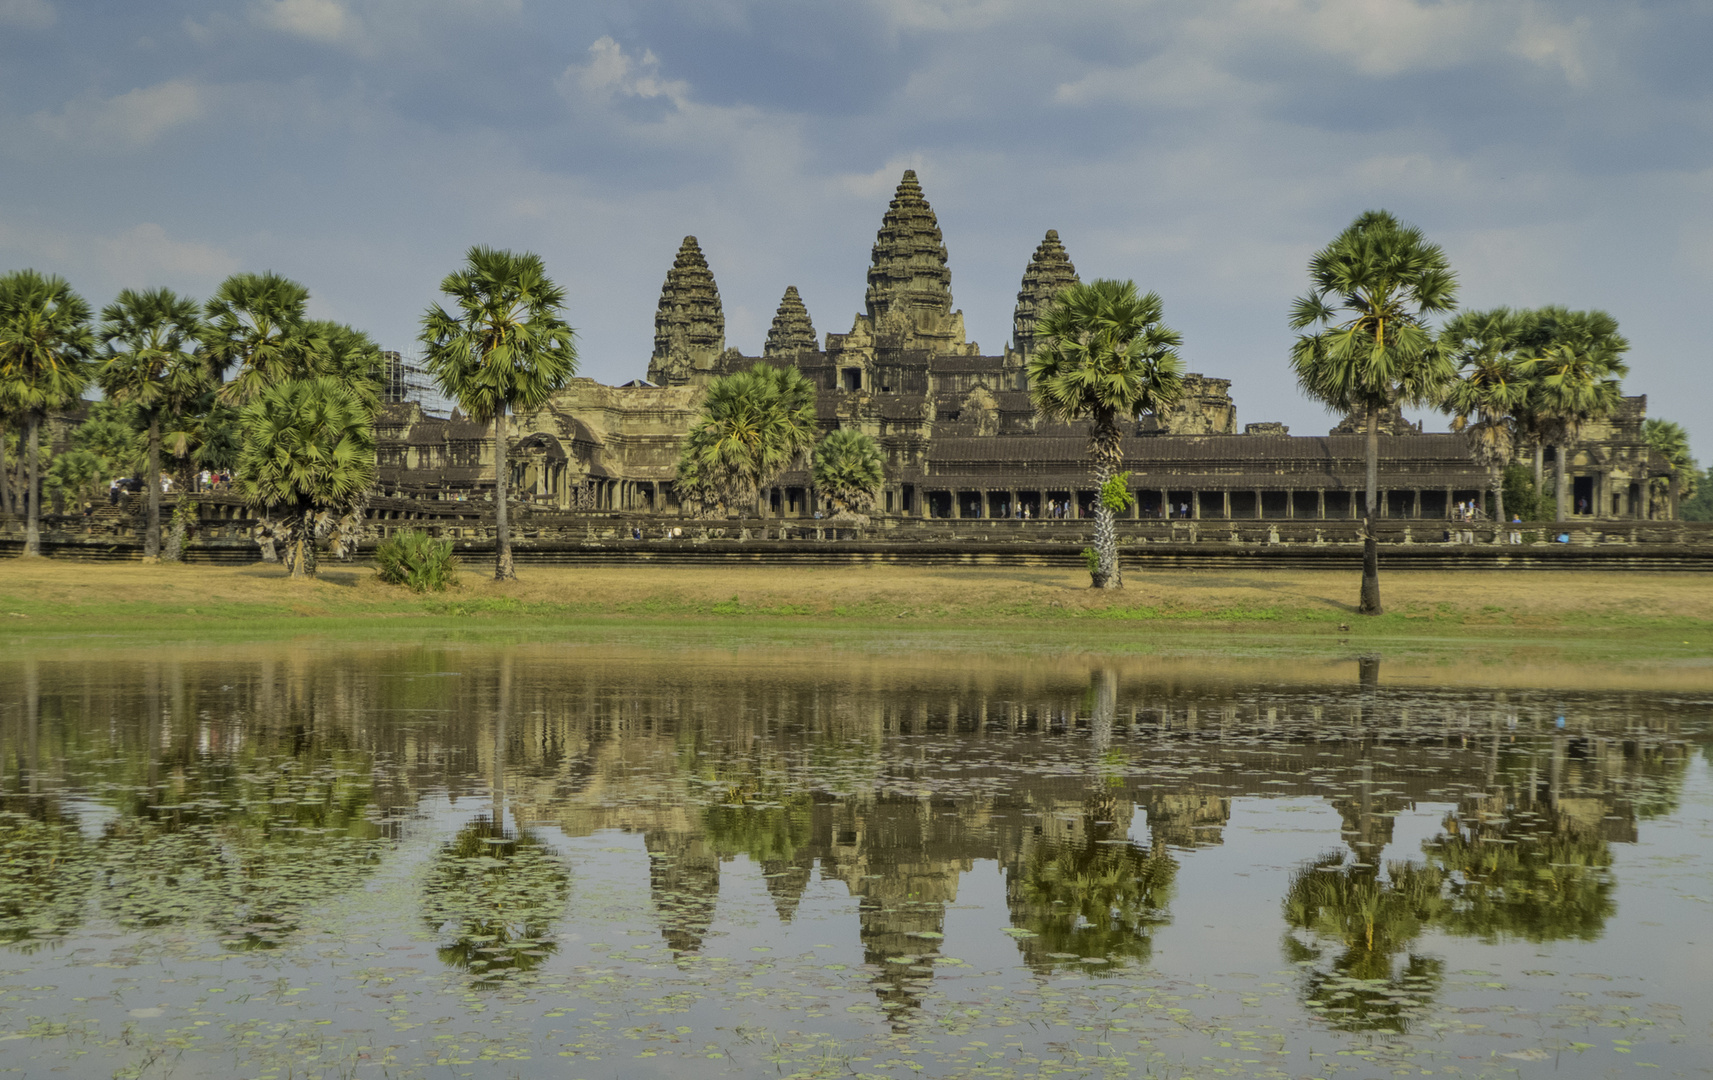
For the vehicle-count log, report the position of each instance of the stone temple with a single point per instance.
(960, 437)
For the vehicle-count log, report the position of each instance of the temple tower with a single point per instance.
(792, 332)
(689, 325)
(1048, 272)
(909, 285)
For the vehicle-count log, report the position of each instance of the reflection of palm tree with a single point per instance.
(496, 894)
(1373, 920)
(1523, 879)
(1097, 897)
(244, 846)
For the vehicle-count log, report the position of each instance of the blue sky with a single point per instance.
(1560, 152)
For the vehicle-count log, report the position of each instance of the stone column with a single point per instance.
(1225, 502)
(1195, 505)
(1291, 505)
(1448, 502)
(1260, 511)
(1417, 511)
(1166, 505)
(1320, 504)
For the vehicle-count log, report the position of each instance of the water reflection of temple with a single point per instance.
(889, 778)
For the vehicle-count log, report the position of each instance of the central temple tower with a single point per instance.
(909, 298)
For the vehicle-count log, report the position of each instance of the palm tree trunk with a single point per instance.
(175, 539)
(5, 476)
(152, 530)
(1370, 599)
(1540, 465)
(33, 487)
(503, 570)
(1107, 450)
(1498, 496)
(1561, 483)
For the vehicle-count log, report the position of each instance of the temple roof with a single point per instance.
(792, 332)
(1047, 273)
(689, 320)
(908, 272)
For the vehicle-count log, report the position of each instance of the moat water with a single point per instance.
(601, 862)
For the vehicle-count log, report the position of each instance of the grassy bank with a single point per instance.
(1612, 617)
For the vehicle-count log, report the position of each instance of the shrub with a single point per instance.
(418, 560)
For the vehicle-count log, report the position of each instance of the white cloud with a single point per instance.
(132, 119)
(1549, 43)
(318, 20)
(29, 14)
(611, 73)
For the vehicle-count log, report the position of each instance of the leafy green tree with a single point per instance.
(1370, 293)
(848, 472)
(1578, 362)
(255, 323)
(753, 425)
(1493, 381)
(346, 354)
(46, 345)
(1699, 507)
(308, 457)
(504, 346)
(1104, 356)
(1669, 440)
(1522, 498)
(152, 364)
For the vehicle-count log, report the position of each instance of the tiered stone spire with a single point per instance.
(1048, 272)
(689, 325)
(792, 332)
(908, 275)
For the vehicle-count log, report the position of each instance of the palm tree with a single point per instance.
(1493, 383)
(1578, 360)
(256, 323)
(1370, 291)
(309, 456)
(1668, 439)
(45, 348)
(848, 472)
(1102, 355)
(153, 365)
(347, 354)
(506, 347)
(754, 424)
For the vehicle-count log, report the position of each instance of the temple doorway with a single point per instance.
(1582, 495)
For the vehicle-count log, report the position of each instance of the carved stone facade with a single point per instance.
(956, 426)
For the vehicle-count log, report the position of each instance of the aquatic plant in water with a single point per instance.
(45, 877)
